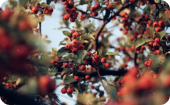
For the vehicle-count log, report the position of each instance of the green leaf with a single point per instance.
(76, 5)
(147, 9)
(81, 54)
(23, 2)
(62, 52)
(49, 1)
(53, 71)
(100, 52)
(88, 46)
(64, 70)
(103, 78)
(84, 2)
(47, 41)
(113, 92)
(150, 31)
(74, 70)
(78, 23)
(54, 49)
(66, 33)
(141, 42)
(69, 79)
(162, 34)
(35, 2)
(63, 28)
(52, 5)
(111, 53)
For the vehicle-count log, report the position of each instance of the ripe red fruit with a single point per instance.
(68, 46)
(96, 7)
(157, 52)
(96, 57)
(92, 86)
(146, 63)
(81, 47)
(124, 65)
(66, 16)
(8, 84)
(6, 14)
(94, 62)
(157, 40)
(131, 38)
(87, 77)
(74, 50)
(73, 10)
(150, 60)
(5, 42)
(161, 23)
(83, 67)
(69, 91)
(158, 29)
(166, 81)
(107, 65)
(77, 78)
(52, 61)
(72, 19)
(149, 64)
(50, 9)
(155, 24)
(35, 10)
(109, 7)
(46, 85)
(20, 51)
(75, 42)
(67, 10)
(94, 14)
(103, 60)
(63, 90)
(89, 54)
(102, 35)
(92, 9)
(24, 25)
(71, 64)
(15, 86)
(66, 65)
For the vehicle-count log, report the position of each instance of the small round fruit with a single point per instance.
(68, 46)
(107, 65)
(75, 42)
(50, 9)
(77, 78)
(96, 57)
(109, 7)
(94, 62)
(87, 77)
(66, 65)
(45, 36)
(83, 67)
(69, 91)
(35, 10)
(92, 86)
(63, 90)
(74, 50)
(103, 60)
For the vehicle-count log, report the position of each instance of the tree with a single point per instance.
(29, 73)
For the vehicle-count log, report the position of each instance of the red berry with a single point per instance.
(83, 67)
(92, 86)
(96, 57)
(92, 9)
(68, 46)
(155, 24)
(73, 10)
(77, 78)
(107, 65)
(87, 77)
(103, 60)
(94, 62)
(71, 64)
(102, 35)
(74, 50)
(66, 17)
(50, 9)
(8, 84)
(81, 47)
(146, 63)
(63, 90)
(149, 64)
(157, 40)
(109, 7)
(66, 65)
(158, 29)
(89, 54)
(75, 42)
(35, 10)
(24, 25)
(131, 38)
(15, 86)
(69, 91)
(161, 23)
